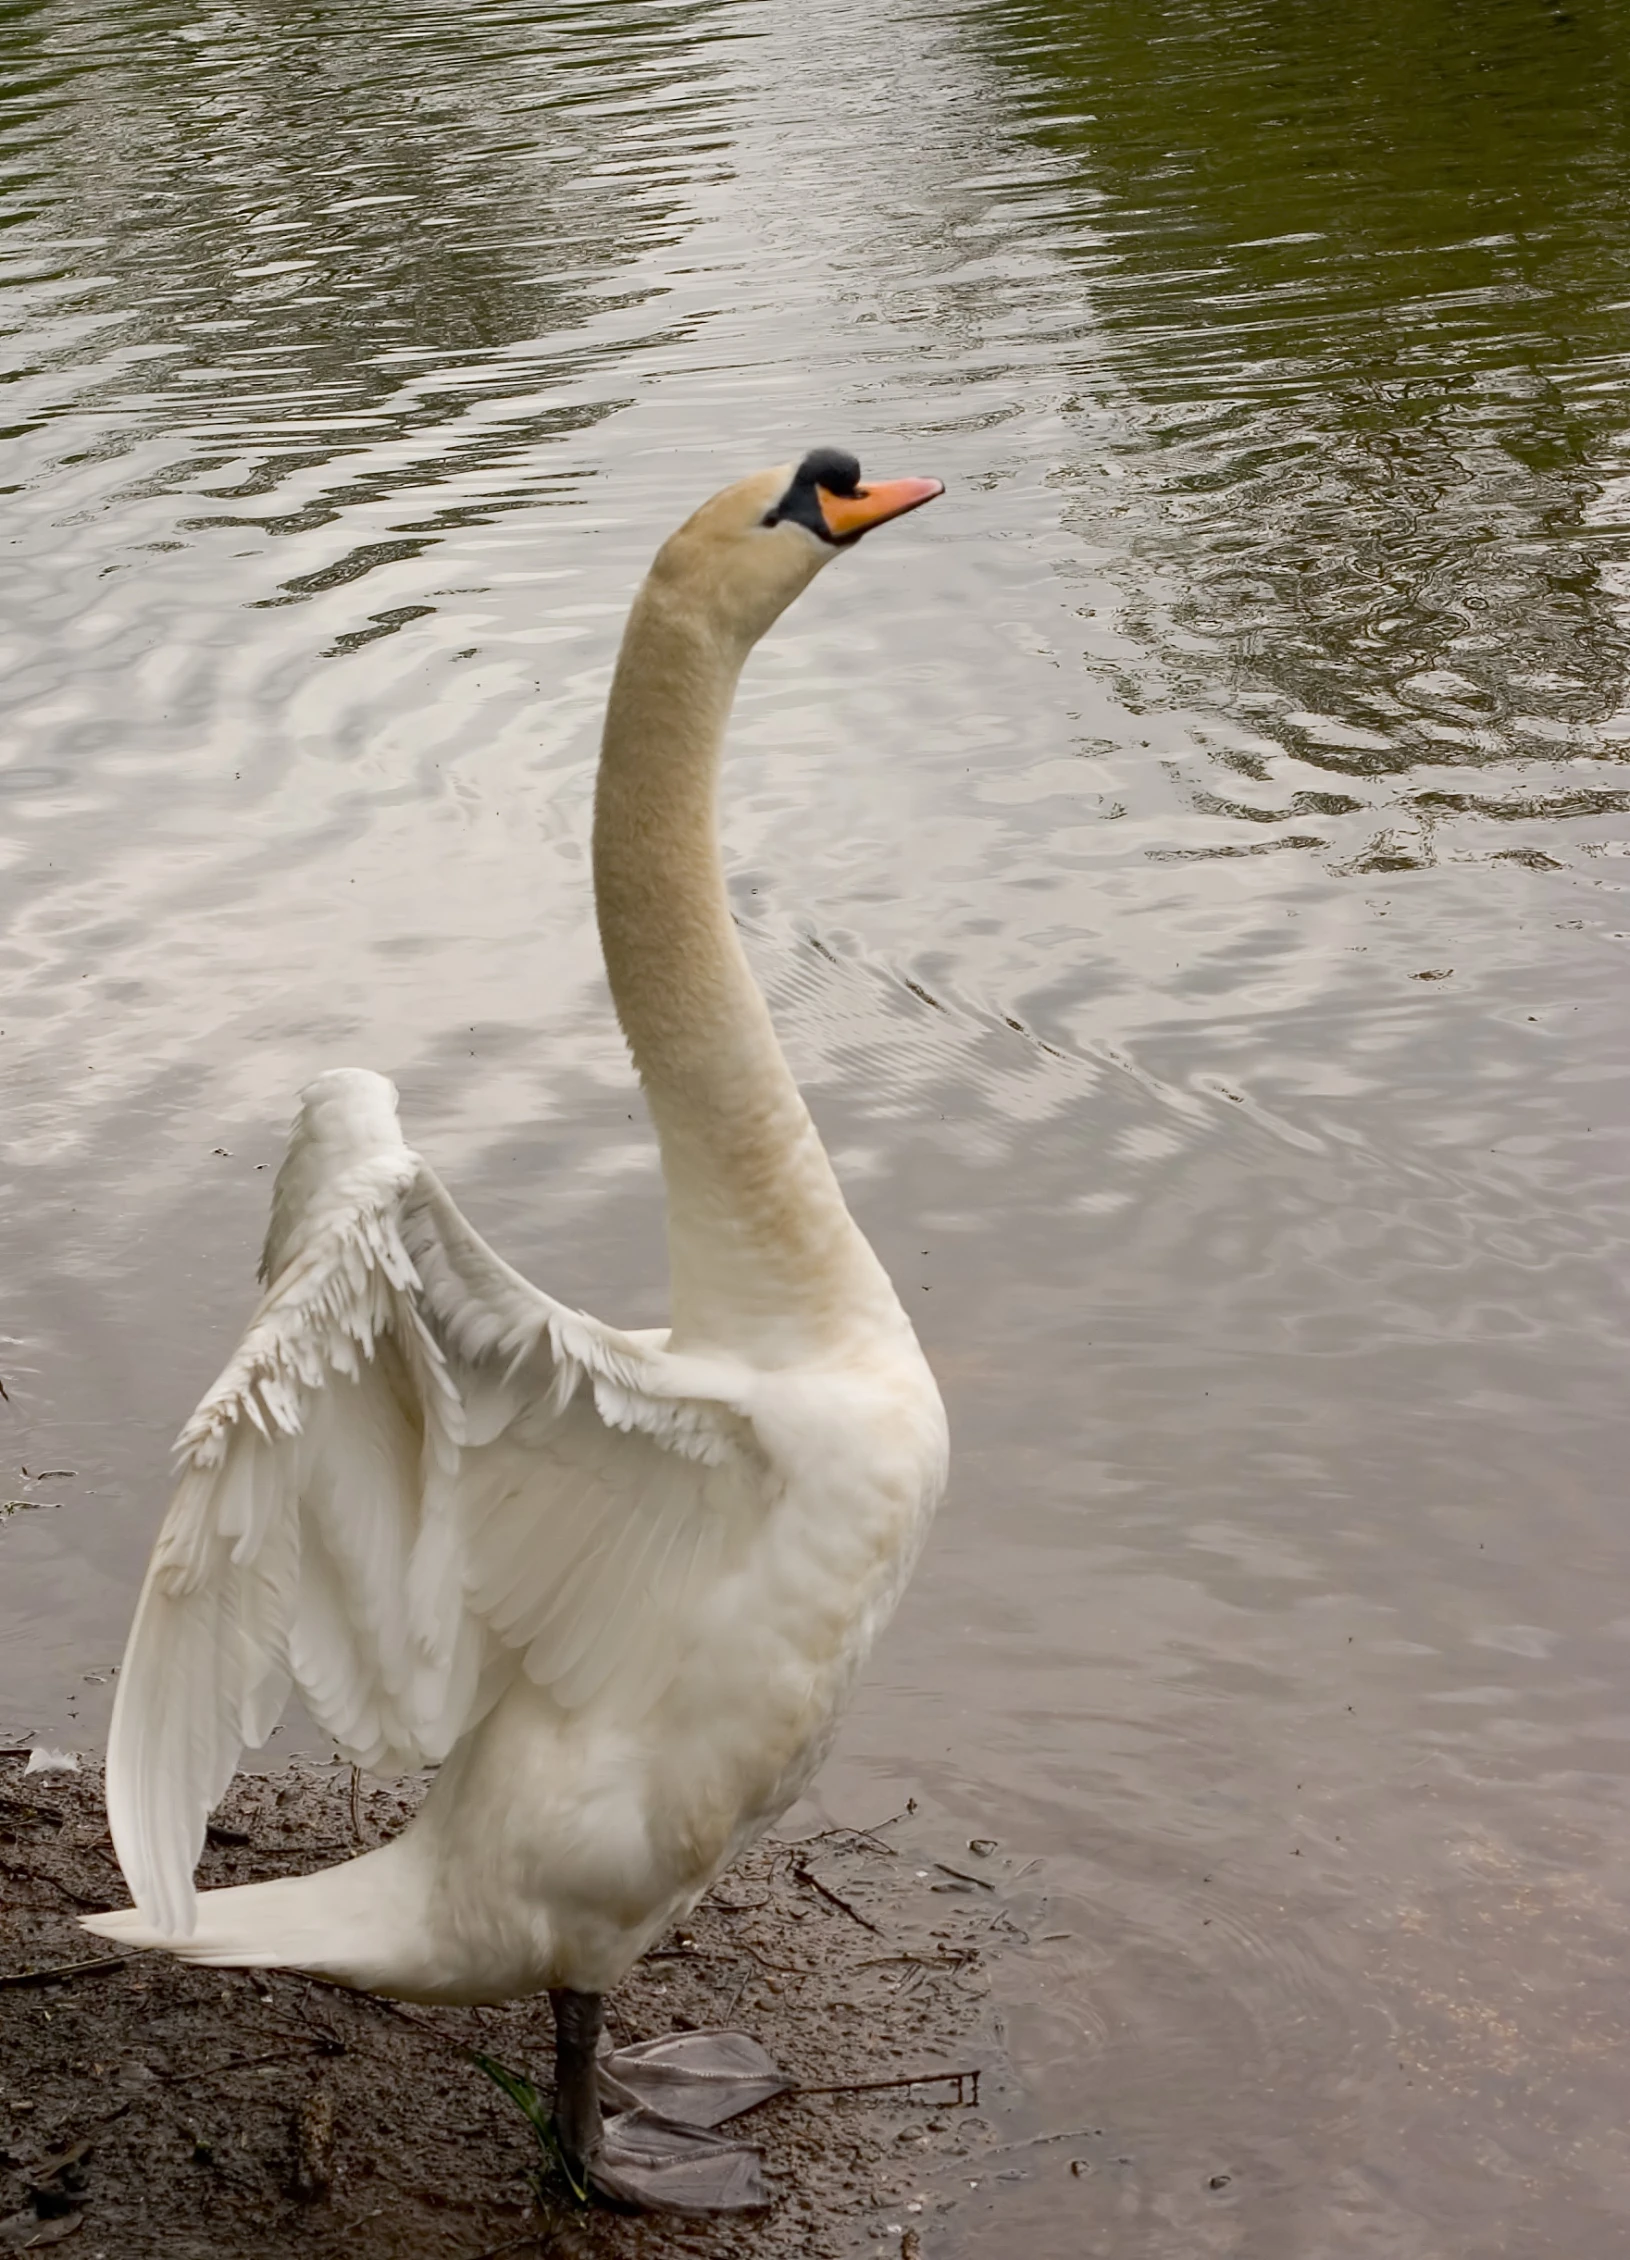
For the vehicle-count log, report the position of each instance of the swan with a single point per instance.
(615, 1587)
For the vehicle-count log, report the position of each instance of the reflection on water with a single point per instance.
(1185, 866)
(1350, 274)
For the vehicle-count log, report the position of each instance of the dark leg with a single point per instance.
(578, 2018)
(643, 2156)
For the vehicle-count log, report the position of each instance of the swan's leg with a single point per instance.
(578, 2021)
(655, 2153)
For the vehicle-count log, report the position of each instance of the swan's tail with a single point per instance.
(362, 1923)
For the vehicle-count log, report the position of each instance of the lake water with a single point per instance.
(1187, 864)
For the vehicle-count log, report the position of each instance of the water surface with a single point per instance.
(1185, 865)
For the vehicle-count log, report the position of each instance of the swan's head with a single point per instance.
(745, 555)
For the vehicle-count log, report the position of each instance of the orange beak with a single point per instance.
(848, 516)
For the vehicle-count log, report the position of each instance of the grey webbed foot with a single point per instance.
(695, 2079)
(662, 2167)
(655, 2150)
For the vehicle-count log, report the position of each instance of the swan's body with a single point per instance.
(617, 1586)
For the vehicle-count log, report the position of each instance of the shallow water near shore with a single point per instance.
(1187, 865)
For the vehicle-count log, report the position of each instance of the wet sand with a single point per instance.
(155, 2112)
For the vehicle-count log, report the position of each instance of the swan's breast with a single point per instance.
(861, 1458)
(599, 1826)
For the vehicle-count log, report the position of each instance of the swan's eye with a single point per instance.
(800, 506)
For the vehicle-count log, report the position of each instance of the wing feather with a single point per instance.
(414, 1466)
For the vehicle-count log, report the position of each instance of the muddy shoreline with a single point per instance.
(154, 2112)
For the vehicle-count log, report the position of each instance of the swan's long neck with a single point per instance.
(764, 1256)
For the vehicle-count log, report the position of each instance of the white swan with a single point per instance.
(617, 1586)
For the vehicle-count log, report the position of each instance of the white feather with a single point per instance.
(332, 1527)
(615, 1586)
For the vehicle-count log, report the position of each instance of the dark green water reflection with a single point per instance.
(1360, 272)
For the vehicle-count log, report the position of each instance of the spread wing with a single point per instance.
(417, 1476)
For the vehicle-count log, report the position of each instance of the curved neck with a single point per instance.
(763, 1255)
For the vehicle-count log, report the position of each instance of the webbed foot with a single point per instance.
(634, 2125)
(694, 2079)
(662, 2167)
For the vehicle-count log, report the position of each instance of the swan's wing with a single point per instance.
(417, 1475)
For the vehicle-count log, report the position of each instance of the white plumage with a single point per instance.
(437, 1501)
(615, 1586)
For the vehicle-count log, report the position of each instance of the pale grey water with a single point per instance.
(1187, 865)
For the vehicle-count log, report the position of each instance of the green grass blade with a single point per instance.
(529, 2102)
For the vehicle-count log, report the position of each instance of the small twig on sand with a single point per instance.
(983, 1883)
(766, 1961)
(65, 1970)
(356, 1805)
(832, 1898)
(865, 1835)
(946, 1958)
(1040, 2141)
(851, 1836)
(967, 2085)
